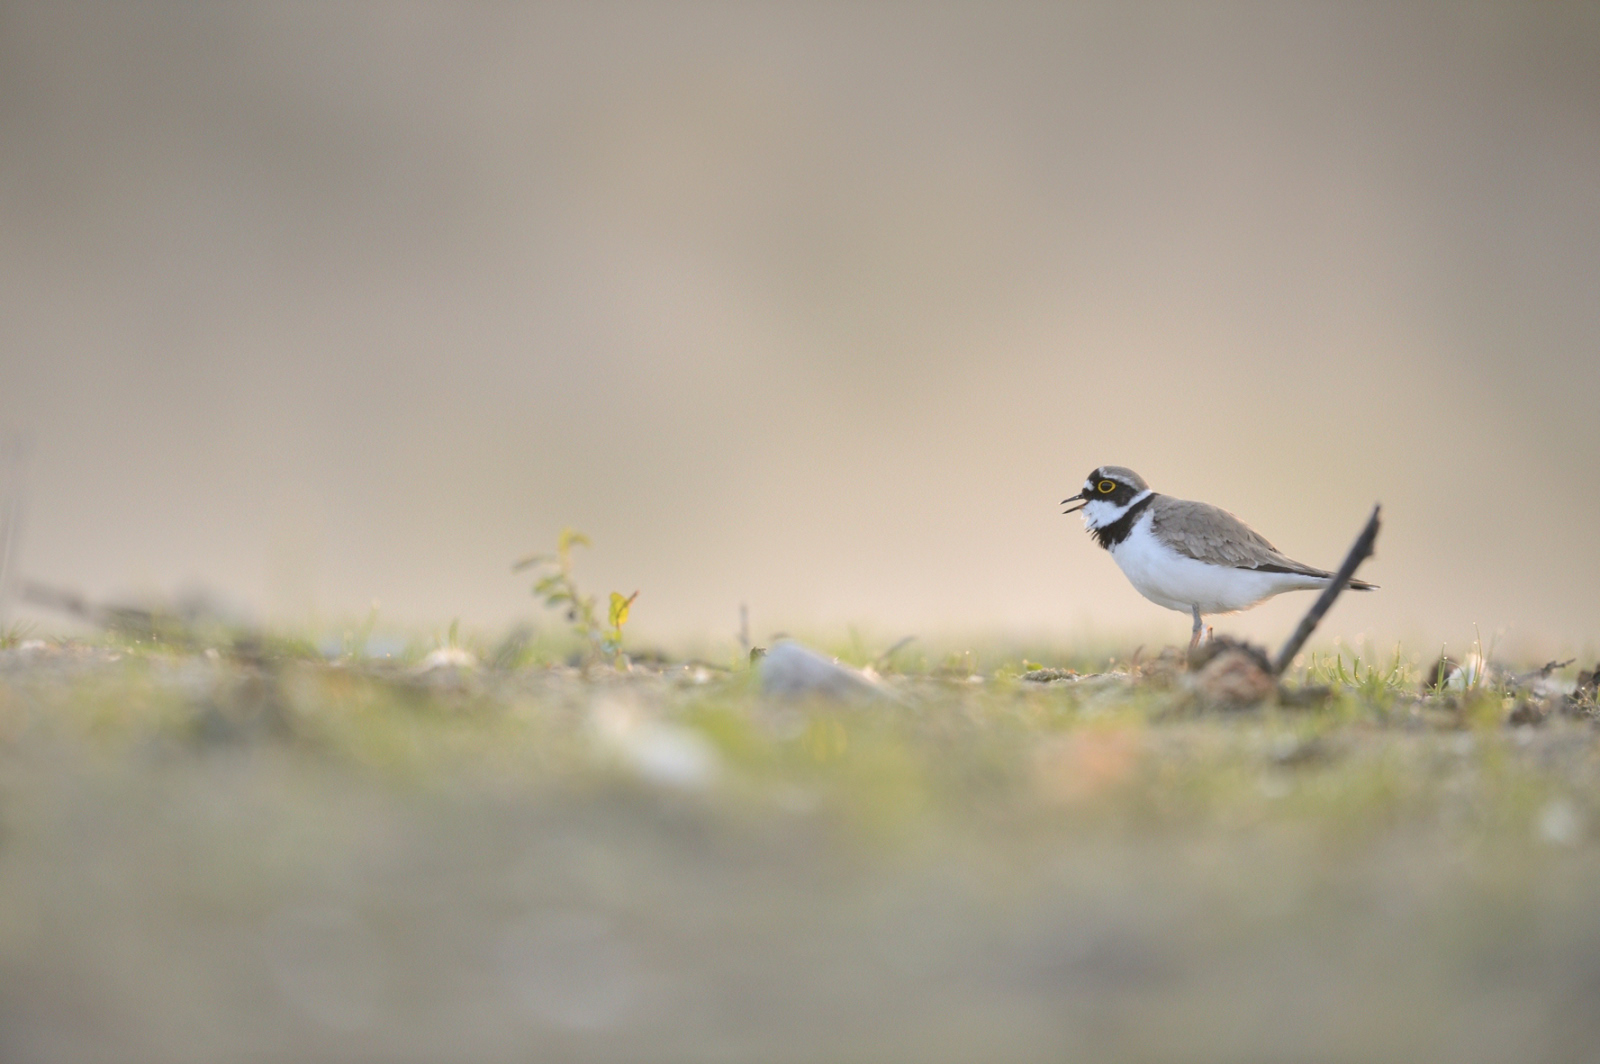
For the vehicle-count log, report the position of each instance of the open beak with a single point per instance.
(1074, 509)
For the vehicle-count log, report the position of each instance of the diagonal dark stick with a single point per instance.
(1360, 552)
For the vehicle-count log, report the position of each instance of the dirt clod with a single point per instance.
(1232, 675)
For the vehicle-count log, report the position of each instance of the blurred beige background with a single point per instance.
(816, 307)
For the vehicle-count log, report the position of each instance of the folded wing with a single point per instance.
(1208, 534)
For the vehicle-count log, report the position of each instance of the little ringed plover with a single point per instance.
(1187, 556)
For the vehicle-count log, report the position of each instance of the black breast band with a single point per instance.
(1109, 536)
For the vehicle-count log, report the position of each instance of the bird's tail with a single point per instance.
(1362, 585)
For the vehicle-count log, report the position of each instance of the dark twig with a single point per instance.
(882, 660)
(1360, 552)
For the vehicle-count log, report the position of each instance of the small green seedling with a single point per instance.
(560, 592)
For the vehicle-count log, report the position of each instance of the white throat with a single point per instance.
(1098, 513)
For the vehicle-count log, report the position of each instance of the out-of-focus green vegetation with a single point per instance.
(473, 848)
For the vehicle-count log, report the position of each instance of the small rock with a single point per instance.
(1440, 673)
(671, 756)
(657, 751)
(447, 658)
(1475, 672)
(794, 671)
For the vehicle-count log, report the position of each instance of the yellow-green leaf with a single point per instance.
(619, 608)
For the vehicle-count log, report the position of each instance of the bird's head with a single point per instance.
(1107, 493)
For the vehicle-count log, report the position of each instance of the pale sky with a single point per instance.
(817, 307)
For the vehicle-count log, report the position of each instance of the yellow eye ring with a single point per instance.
(1107, 487)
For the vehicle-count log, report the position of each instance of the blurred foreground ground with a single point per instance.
(267, 856)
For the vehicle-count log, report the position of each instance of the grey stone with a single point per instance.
(795, 671)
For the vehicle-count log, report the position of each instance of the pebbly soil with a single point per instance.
(266, 856)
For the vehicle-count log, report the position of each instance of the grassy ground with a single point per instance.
(259, 853)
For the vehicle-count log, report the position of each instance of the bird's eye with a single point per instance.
(1107, 487)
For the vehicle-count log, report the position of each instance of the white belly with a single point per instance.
(1178, 582)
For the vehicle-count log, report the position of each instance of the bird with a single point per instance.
(1187, 556)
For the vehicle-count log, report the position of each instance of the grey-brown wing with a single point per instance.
(1208, 534)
